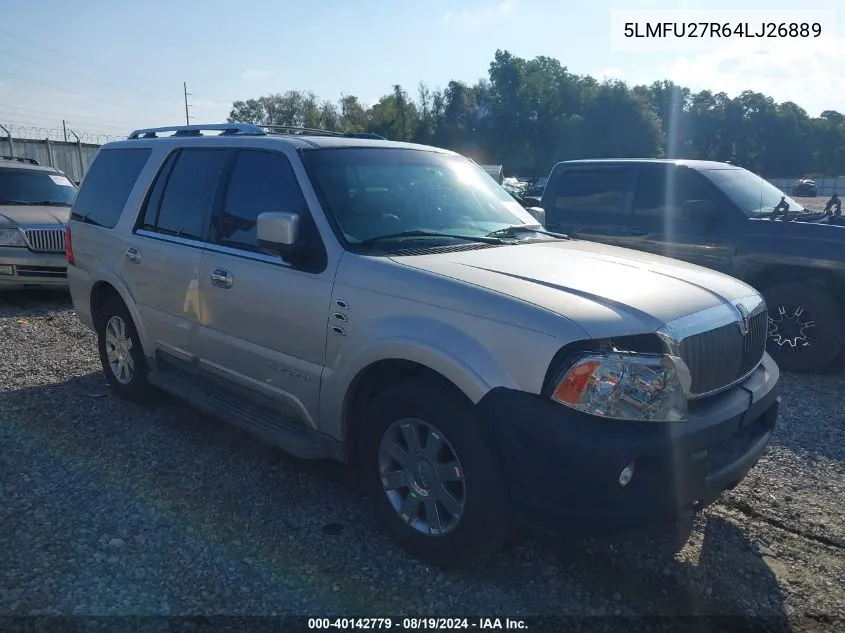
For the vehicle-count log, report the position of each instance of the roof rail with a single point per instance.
(21, 159)
(309, 131)
(225, 129)
(292, 129)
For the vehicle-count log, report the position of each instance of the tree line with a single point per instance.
(529, 114)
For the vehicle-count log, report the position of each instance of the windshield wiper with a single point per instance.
(513, 231)
(419, 233)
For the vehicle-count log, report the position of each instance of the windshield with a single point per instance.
(374, 193)
(30, 186)
(754, 195)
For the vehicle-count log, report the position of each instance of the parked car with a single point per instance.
(389, 305)
(535, 187)
(35, 203)
(805, 188)
(725, 218)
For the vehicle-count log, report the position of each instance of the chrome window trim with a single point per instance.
(214, 248)
(674, 332)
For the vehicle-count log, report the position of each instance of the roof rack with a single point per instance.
(310, 131)
(225, 129)
(21, 159)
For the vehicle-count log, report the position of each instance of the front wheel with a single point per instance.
(431, 476)
(806, 327)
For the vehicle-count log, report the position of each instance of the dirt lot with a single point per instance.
(109, 508)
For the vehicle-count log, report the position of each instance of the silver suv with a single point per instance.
(390, 305)
(35, 204)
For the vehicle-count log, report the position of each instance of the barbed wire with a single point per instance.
(36, 132)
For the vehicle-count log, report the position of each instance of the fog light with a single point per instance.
(626, 475)
(7, 270)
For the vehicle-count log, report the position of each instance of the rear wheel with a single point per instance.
(806, 327)
(431, 476)
(120, 350)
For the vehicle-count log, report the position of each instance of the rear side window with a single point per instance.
(107, 185)
(599, 192)
(184, 192)
(261, 182)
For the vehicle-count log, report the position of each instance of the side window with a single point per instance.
(182, 197)
(261, 182)
(107, 186)
(599, 193)
(662, 192)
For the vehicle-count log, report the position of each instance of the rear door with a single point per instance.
(659, 225)
(589, 202)
(161, 262)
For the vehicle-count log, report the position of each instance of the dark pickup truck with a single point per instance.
(725, 218)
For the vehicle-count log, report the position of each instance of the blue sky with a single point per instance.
(107, 66)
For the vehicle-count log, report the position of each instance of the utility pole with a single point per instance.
(64, 127)
(187, 94)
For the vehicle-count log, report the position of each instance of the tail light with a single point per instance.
(68, 247)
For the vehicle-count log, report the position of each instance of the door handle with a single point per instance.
(634, 231)
(221, 278)
(133, 255)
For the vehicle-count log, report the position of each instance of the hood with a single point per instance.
(22, 214)
(607, 290)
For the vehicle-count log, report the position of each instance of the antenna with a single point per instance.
(187, 94)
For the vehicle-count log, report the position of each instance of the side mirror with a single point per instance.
(538, 213)
(700, 211)
(278, 232)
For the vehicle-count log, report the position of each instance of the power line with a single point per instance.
(69, 55)
(35, 62)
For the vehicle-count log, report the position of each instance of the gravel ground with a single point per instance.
(108, 508)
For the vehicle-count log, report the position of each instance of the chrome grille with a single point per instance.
(50, 240)
(722, 356)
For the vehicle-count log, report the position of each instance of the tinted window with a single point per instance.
(261, 182)
(189, 192)
(107, 185)
(662, 191)
(594, 192)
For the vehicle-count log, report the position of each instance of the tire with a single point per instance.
(811, 348)
(132, 387)
(484, 524)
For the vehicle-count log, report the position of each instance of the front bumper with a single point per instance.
(22, 268)
(563, 466)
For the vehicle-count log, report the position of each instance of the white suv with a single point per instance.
(390, 305)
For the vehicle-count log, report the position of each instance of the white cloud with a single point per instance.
(479, 16)
(810, 74)
(255, 75)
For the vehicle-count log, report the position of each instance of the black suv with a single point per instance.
(725, 218)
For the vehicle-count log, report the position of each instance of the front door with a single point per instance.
(263, 322)
(659, 224)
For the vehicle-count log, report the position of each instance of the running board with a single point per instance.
(261, 421)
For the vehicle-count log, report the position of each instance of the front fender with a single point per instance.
(452, 353)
